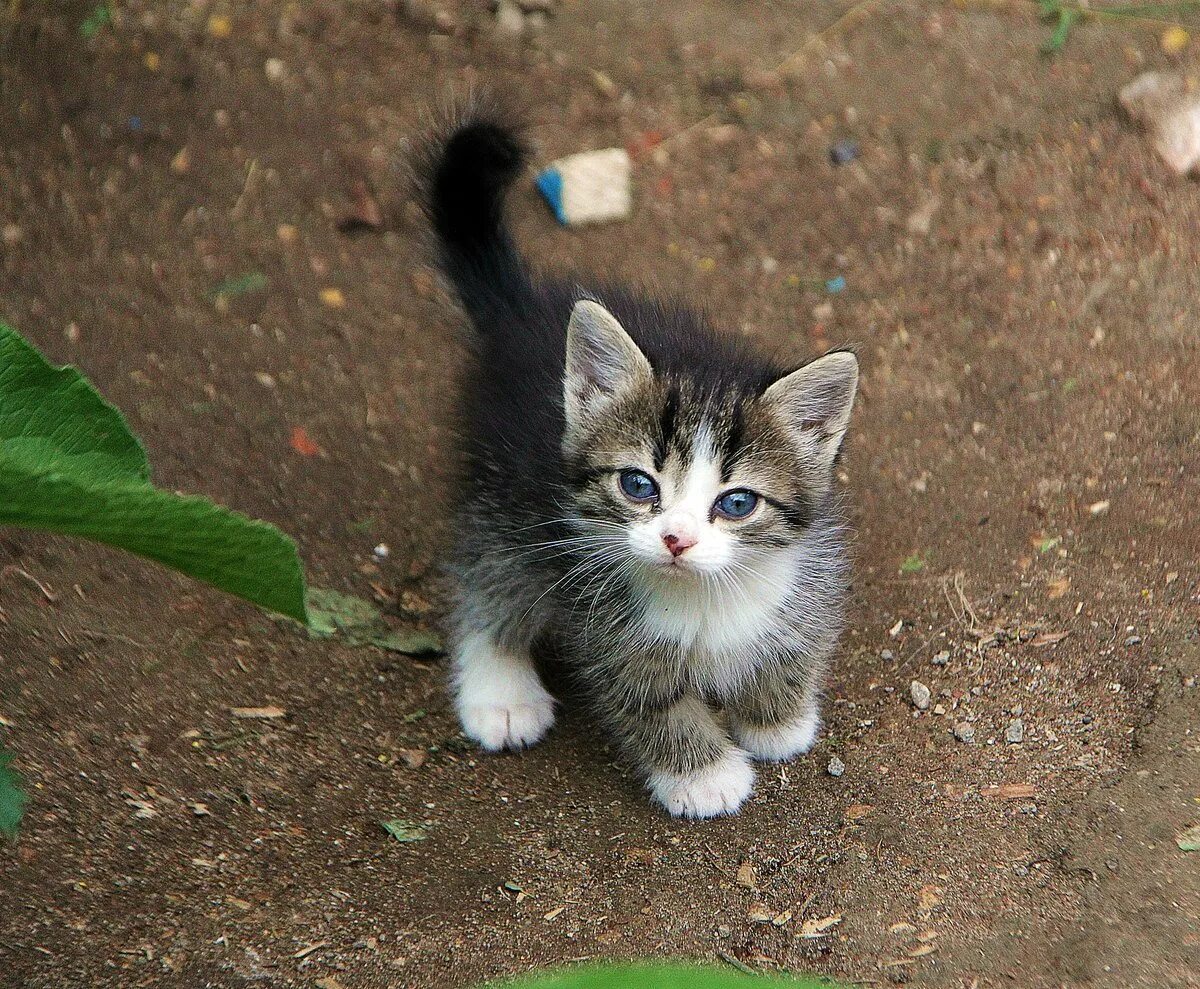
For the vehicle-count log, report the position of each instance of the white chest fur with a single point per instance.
(721, 628)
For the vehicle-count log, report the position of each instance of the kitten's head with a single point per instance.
(700, 480)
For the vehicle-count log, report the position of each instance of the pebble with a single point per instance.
(887, 655)
(1134, 640)
(843, 152)
(275, 69)
(509, 18)
(921, 695)
(965, 733)
(836, 767)
(942, 658)
(1014, 734)
(1169, 109)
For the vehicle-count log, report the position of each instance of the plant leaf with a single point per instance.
(404, 831)
(913, 564)
(1066, 20)
(55, 408)
(12, 798)
(1189, 840)
(69, 464)
(331, 612)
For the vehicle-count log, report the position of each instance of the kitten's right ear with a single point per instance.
(602, 361)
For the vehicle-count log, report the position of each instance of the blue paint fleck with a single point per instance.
(135, 123)
(835, 285)
(550, 185)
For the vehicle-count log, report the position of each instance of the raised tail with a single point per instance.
(469, 167)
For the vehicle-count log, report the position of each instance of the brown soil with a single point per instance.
(1030, 357)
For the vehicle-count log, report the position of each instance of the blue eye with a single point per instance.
(736, 504)
(638, 486)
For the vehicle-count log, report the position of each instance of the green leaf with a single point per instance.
(69, 464)
(55, 408)
(913, 564)
(12, 799)
(1066, 20)
(331, 612)
(1048, 543)
(659, 977)
(1189, 840)
(98, 18)
(404, 831)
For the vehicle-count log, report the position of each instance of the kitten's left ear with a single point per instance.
(817, 400)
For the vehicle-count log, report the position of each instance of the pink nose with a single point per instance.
(676, 545)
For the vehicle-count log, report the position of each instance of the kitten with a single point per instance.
(652, 498)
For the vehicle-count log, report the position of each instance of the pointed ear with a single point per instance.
(602, 360)
(816, 402)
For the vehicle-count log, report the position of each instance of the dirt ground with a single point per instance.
(1021, 277)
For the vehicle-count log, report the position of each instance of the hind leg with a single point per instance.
(498, 694)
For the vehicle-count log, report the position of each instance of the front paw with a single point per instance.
(716, 789)
(778, 743)
(510, 725)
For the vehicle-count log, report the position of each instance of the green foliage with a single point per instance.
(912, 564)
(361, 623)
(69, 464)
(660, 977)
(12, 800)
(404, 831)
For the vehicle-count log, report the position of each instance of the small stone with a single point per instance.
(887, 655)
(72, 332)
(381, 552)
(920, 694)
(333, 298)
(12, 234)
(724, 932)
(843, 152)
(509, 19)
(1014, 734)
(942, 658)
(181, 164)
(965, 733)
(287, 233)
(1133, 640)
(920, 220)
(220, 26)
(275, 69)
(836, 767)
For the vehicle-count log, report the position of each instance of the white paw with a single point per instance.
(779, 743)
(501, 702)
(718, 789)
(507, 726)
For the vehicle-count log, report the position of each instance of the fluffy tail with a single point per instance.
(469, 167)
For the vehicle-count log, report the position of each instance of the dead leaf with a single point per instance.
(1044, 639)
(929, 897)
(856, 812)
(309, 949)
(816, 927)
(1189, 839)
(901, 927)
(364, 214)
(269, 713)
(1010, 791)
(1057, 588)
(782, 920)
(329, 982)
(143, 809)
(745, 876)
(413, 758)
(550, 915)
(760, 913)
(922, 950)
(302, 443)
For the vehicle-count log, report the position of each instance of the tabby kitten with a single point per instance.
(651, 498)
